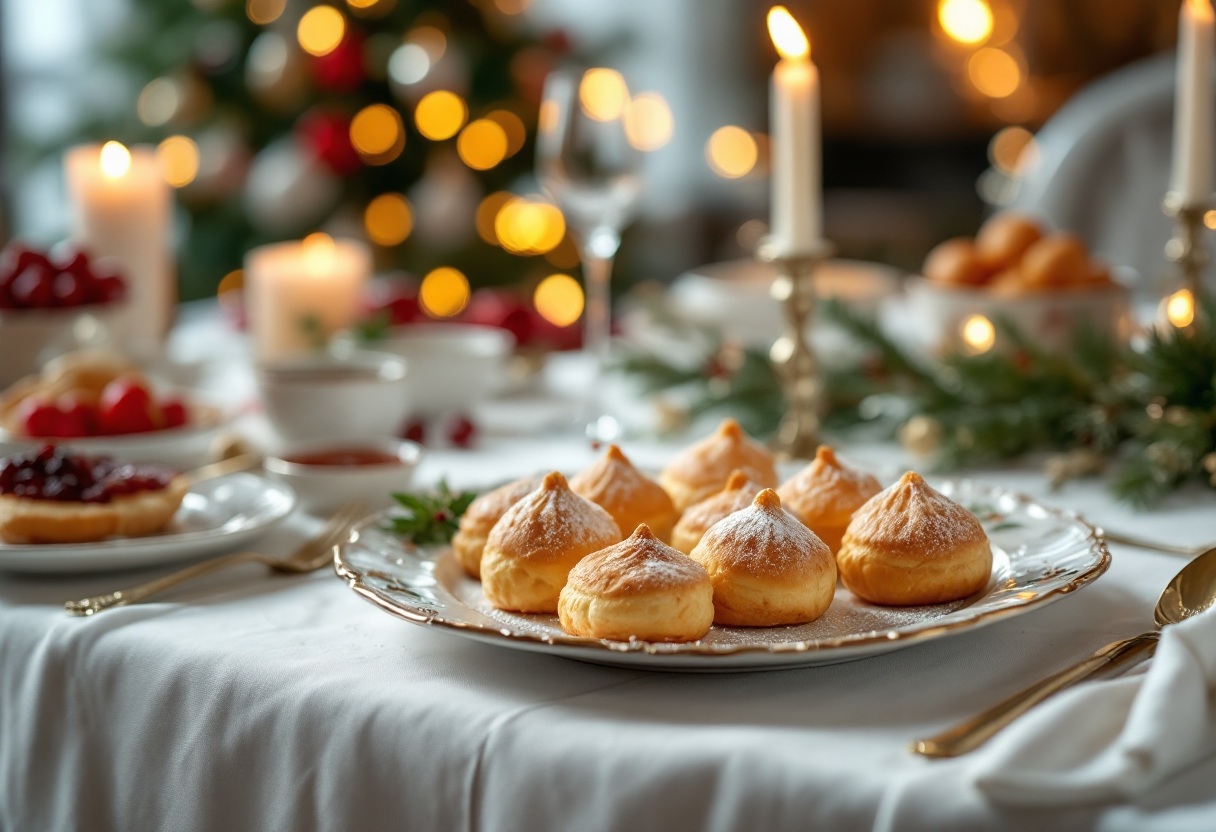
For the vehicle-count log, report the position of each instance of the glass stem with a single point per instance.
(597, 272)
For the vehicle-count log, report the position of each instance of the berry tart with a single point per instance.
(52, 495)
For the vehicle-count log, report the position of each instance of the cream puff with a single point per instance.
(624, 492)
(480, 517)
(910, 546)
(533, 547)
(766, 567)
(825, 494)
(696, 520)
(703, 469)
(641, 589)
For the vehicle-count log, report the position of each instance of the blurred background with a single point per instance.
(410, 123)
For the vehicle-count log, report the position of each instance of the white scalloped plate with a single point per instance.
(1040, 555)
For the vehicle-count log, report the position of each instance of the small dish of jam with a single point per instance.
(326, 473)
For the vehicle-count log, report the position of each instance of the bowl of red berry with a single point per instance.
(51, 304)
(99, 402)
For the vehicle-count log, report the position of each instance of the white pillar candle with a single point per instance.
(1192, 179)
(121, 209)
(298, 294)
(796, 212)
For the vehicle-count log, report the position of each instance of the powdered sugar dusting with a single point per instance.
(700, 516)
(552, 521)
(613, 482)
(492, 505)
(713, 458)
(912, 515)
(826, 486)
(638, 565)
(764, 539)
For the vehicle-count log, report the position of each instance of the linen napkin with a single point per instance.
(1112, 740)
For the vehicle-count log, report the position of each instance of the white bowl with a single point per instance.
(31, 337)
(1050, 319)
(342, 396)
(451, 366)
(324, 488)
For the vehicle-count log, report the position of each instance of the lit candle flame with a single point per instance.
(115, 160)
(787, 35)
(966, 21)
(1200, 8)
(978, 333)
(318, 252)
(1180, 308)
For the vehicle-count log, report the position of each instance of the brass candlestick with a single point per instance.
(798, 435)
(1186, 247)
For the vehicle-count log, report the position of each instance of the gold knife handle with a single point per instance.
(973, 733)
(100, 603)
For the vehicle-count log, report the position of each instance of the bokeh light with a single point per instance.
(648, 121)
(159, 101)
(482, 144)
(787, 35)
(320, 30)
(444, 292)
(319, 253)
(178, 160)
(115, 160)
(965, 21)
(262, 12)
(559, 299)
(487, 213)
(1209, 219)
(994, 72)
(513, 126)
(388, 219)
(440, 115)
(1180, 308)
(1012, 150)
(378, 133)
(512, 7)
(731, 152)
(603, 94)
(529, 226)
(978, 334)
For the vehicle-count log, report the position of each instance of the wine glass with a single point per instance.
(588, 167)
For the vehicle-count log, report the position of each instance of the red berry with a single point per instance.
(70, 289)
(34, 286)
(76, 417)
(69, 256)
(461, 432)
(108, 288)
(14, 259)
(126, 407)
(415, 431)
(173, 411)
(40, 419)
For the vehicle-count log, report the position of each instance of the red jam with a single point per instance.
(345, 457)
(58, 474)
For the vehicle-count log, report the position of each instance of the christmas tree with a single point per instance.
(408, 122)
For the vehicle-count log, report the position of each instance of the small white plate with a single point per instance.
(216, 515)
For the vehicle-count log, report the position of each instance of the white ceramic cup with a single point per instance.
(325, 488)
(351, 395)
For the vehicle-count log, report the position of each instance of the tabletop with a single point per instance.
(256, 701)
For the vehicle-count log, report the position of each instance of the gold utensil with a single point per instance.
(1140, 543)
(1191, 591)
(312, 555)
(232, 465)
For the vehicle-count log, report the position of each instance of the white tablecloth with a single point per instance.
(251, 701)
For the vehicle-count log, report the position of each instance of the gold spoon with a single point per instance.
(1191, 591)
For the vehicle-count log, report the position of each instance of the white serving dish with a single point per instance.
(29, 338)
(1049, 319)
(451, 366)
(325, 488)
(348, 395)
(215, 516)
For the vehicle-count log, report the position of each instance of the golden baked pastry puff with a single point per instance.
(624, 492)
(533, 547)
(703, 469)
(766, 567)
(910, 546)
(825, 494)
(640, 588)
(696, 520)
(481, 515)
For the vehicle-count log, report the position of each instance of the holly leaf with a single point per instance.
(430, 518)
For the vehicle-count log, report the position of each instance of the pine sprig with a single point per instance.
(430, 518)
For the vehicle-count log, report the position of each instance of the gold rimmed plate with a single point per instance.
(1040, 555)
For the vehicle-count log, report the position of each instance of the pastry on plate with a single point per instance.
(52, 495)
(627, 494)
(910, 546)
(825, 494)
(641, 588)
(533, 547)
(696, 520)
(766, 567)
(480, 517)
(703, 469)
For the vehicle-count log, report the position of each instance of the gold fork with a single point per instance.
(312, 555)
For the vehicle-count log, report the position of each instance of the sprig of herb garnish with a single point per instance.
(430, 518)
